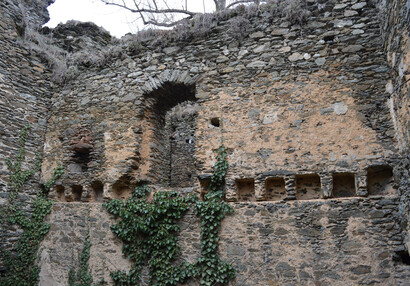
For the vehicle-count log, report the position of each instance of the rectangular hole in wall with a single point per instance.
(204, 183)
(246, 189)
(344, 185)
(60, 193)
(380, 180)
(308, 187)
(97, 188)
(275, 189)
(77, 192)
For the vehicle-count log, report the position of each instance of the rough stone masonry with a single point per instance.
(315, 118)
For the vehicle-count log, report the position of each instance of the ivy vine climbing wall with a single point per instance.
(21, 263)
(149, 231)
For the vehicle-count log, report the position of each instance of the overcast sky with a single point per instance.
(116, 20)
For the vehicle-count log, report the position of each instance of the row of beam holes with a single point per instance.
(76, 194)
(308, 187)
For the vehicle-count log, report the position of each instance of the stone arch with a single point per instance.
(168, 131)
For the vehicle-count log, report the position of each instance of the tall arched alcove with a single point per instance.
(168, 143)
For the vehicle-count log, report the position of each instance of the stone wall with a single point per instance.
(311, 130)
(395, 27)
(395, 18)
(25, 91)
(304, 114)
(260, 89)
(70, 224)
(325, 242)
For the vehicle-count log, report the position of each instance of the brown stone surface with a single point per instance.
(315, 119)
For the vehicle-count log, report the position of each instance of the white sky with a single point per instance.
(116, 20)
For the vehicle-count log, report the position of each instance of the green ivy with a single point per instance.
(148, 229)
(83, 276)
(149, 232)
(20, 263)
(212, 210)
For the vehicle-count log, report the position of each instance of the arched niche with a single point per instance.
(168, 138)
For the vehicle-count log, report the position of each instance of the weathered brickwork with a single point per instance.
(314, 118)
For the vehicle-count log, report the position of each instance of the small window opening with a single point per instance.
(77, 192)
(401, 257)
(308, 187)
(275, 189)
(60, 193)
(380, 180)
(343, 185)
(215, 122)
(246, 189)
(81, 155)
(97, 191)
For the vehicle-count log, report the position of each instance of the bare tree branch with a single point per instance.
(257, 2)
(153, 11)
(160, 13)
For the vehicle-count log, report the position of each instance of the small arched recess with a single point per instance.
(169, 134)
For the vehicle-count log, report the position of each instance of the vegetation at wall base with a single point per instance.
(148, 229)
(82, 276)
(20, 263)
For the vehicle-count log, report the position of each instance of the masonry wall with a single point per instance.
(395, 17)
(304, 114)
(25, 91)
(314, 119)
(334, 242)
(323, 83)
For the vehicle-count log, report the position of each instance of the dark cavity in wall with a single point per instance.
(245, 189)
(77, 192)
(97, 188)
(123, 187)
(275, 189)
(172, 118)
(343, 185)
(60, 193)
(380, 180)
(81, 157)
(215, 121)
(204, 182)
(308, 187)
(401, 257)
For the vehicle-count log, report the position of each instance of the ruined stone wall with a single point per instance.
(304, 114)
(395, 19)
(395, 27)
(25, 91)
(289, 101)
(334, 242)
